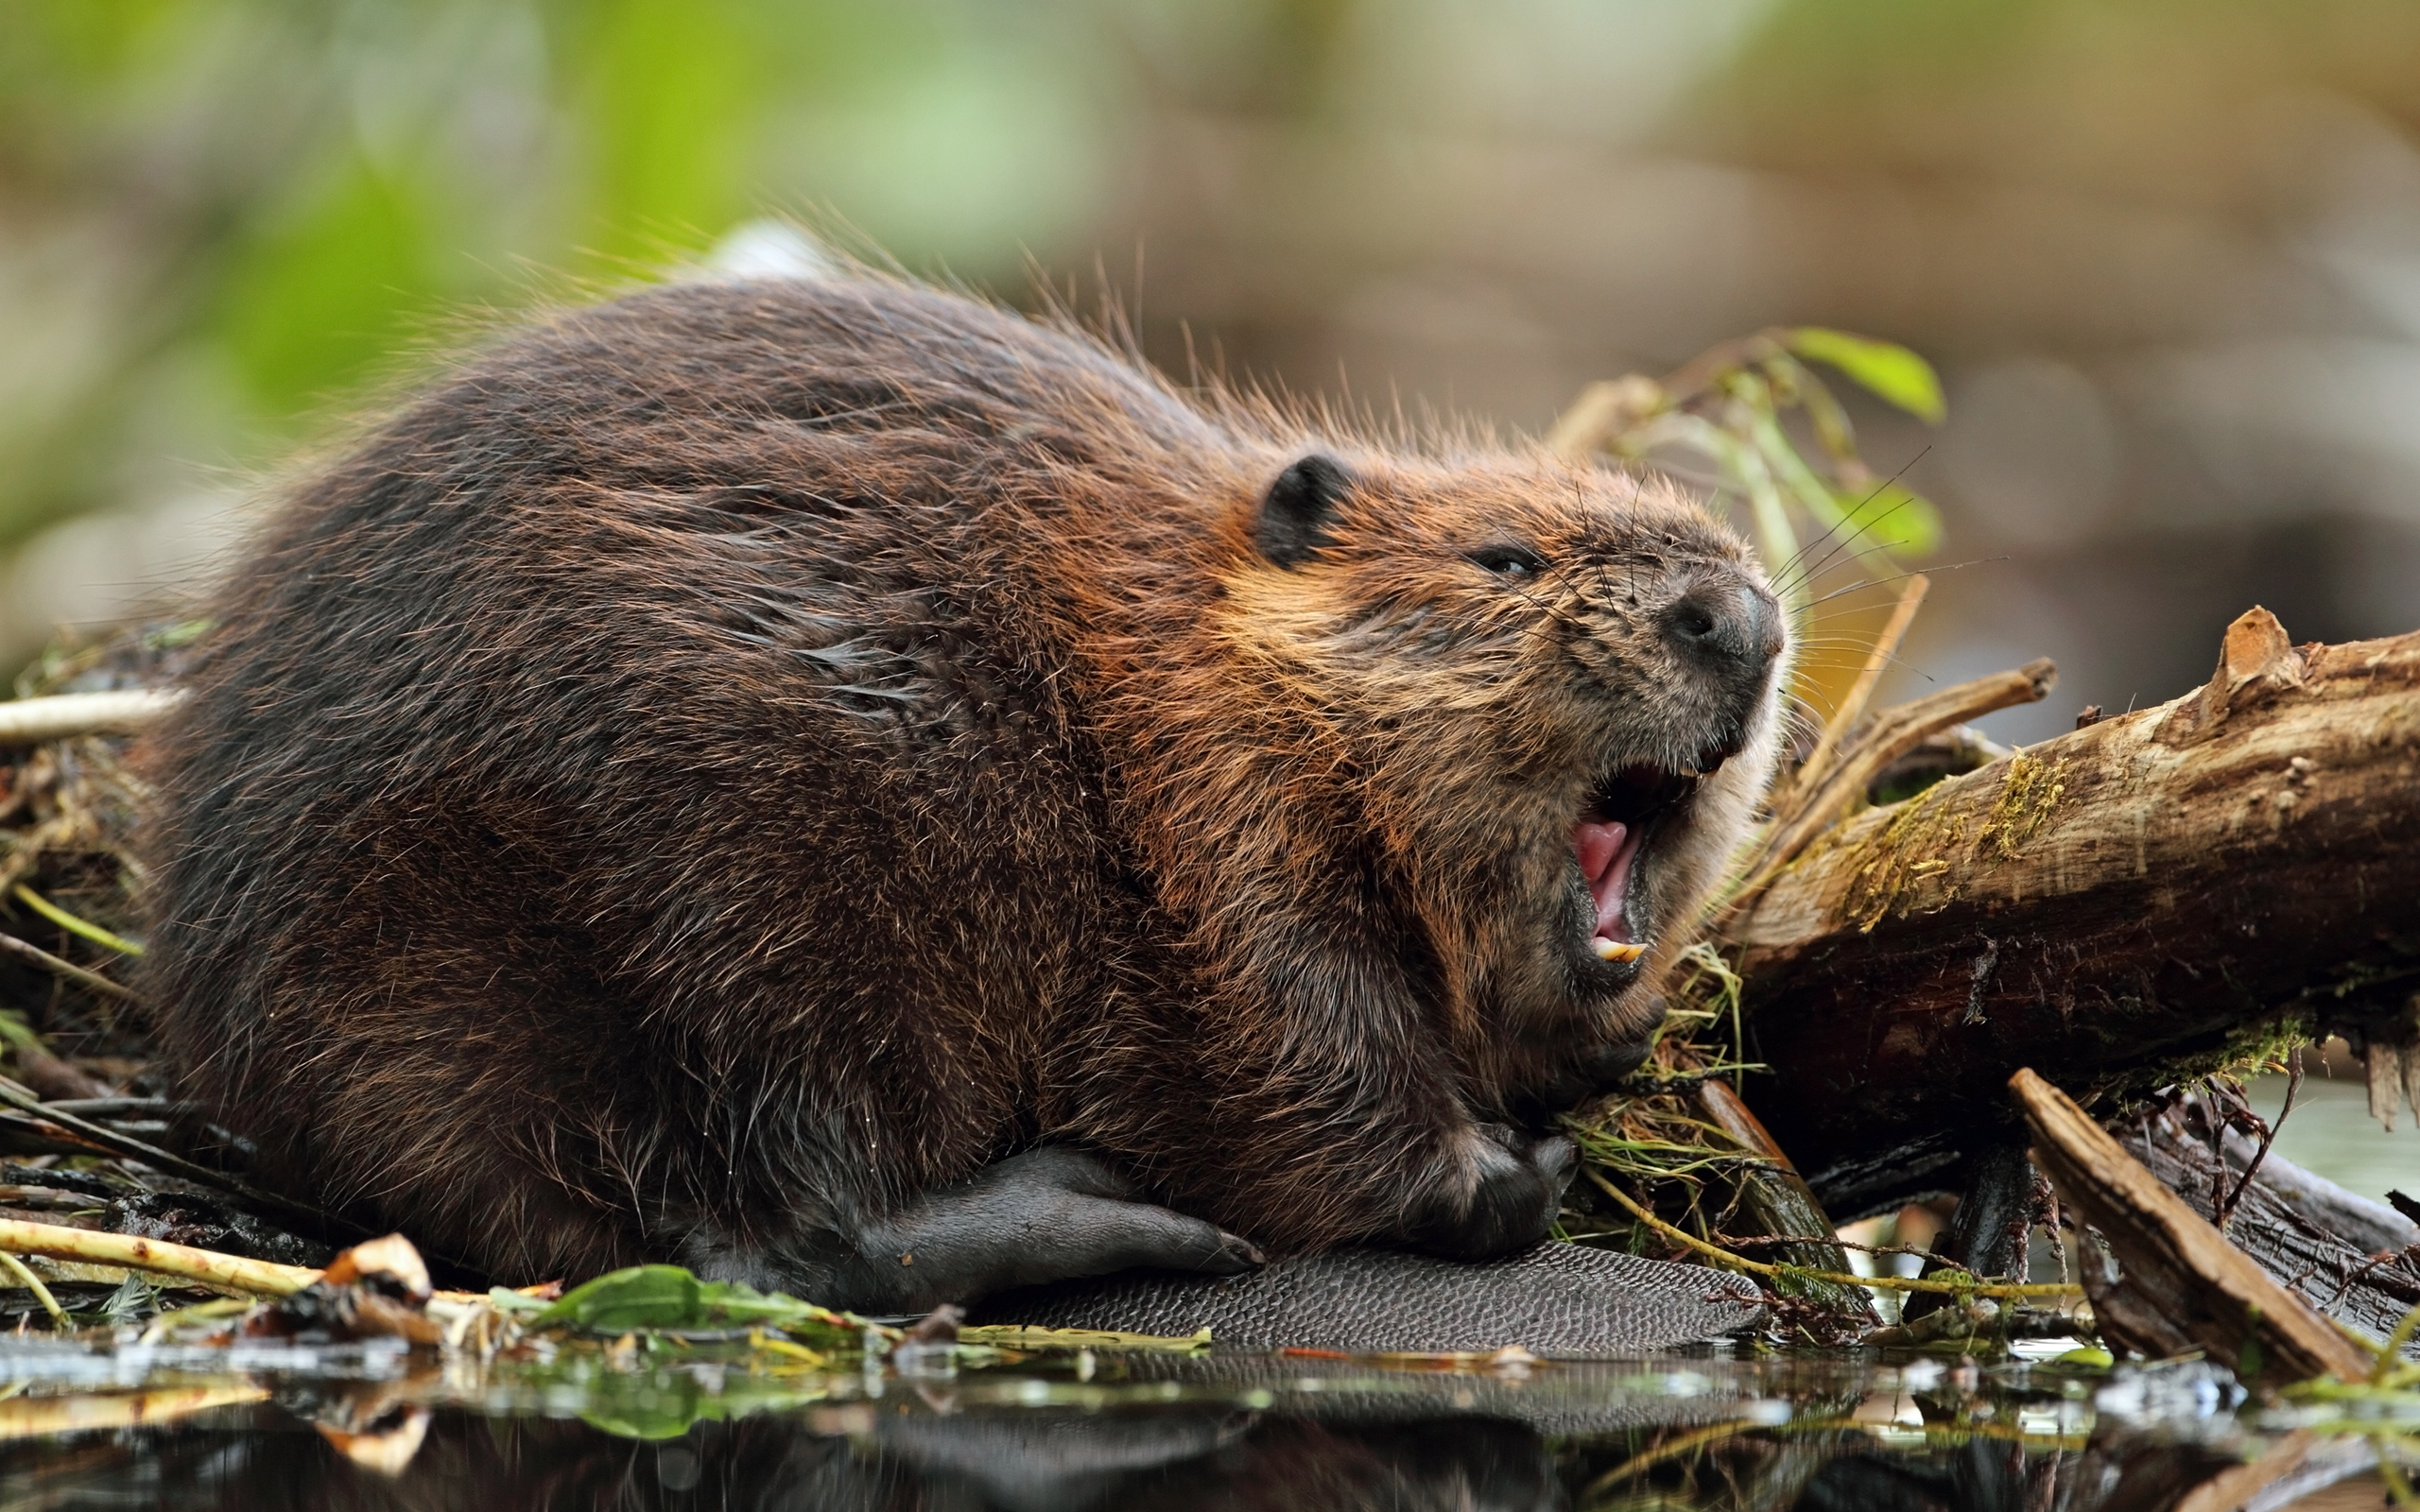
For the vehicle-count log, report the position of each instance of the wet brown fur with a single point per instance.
(724, 761)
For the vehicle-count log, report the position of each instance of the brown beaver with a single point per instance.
(849, 787)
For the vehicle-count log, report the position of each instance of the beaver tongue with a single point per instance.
(1604, 860)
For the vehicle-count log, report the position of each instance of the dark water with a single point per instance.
(374, 1427)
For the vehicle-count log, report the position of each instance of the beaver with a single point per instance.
(853, 788)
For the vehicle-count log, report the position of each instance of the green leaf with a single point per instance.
(644, 1296)
(667, 1297)
(1889, 370)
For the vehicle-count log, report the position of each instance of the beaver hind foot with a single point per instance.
(1049, 1214)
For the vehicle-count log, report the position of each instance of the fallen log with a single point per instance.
(2141, 897)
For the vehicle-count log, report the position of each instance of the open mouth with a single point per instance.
(1612, 831)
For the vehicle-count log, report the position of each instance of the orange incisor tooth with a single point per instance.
(1613, 949)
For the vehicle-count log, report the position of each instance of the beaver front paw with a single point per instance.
(1494, 1191)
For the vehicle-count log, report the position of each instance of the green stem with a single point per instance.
(1885, 1283)
(74, 925)
(32, 1282)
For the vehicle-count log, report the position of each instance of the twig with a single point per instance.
(2350, 1277)
(1888, 1283)
(31, 721)
(1895, 731)
(90, 1412)
(1886, 645)
(73, 973)
(1600, 410)
(2268, 1137)
(1758, 1241)
(323, 1223)
(233, 1272)
(32, 1282)
(1777, 1197)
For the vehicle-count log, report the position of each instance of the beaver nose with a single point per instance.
(1728, 623)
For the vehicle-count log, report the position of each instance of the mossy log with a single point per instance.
(2140, 899)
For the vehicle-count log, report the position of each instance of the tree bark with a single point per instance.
(2108, 907)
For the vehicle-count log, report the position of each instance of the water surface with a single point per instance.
(714, 1426)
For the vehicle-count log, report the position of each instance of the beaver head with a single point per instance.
(1552, 690)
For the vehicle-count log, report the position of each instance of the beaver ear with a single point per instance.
(1294, 516)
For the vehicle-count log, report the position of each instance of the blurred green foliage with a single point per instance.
(220, 219)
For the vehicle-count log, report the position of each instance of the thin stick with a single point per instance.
(31, 721)
(1888, 1283)
(1886, 647)
(18, 1094)
(1756, 1241)
(1599, 411)
(2268, 1137)
(32, 1282)
(73, 973)
(233, 1272)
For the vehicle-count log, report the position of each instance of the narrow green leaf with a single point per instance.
(75, 925)
(1813, 494)
(1889, 370)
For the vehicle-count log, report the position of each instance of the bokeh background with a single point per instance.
(2164, 253)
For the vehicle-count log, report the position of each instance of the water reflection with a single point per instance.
(1218, 1432)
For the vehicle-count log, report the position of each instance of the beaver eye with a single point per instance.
(1508, 562)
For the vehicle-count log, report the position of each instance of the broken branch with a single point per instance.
(2176, 1265)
